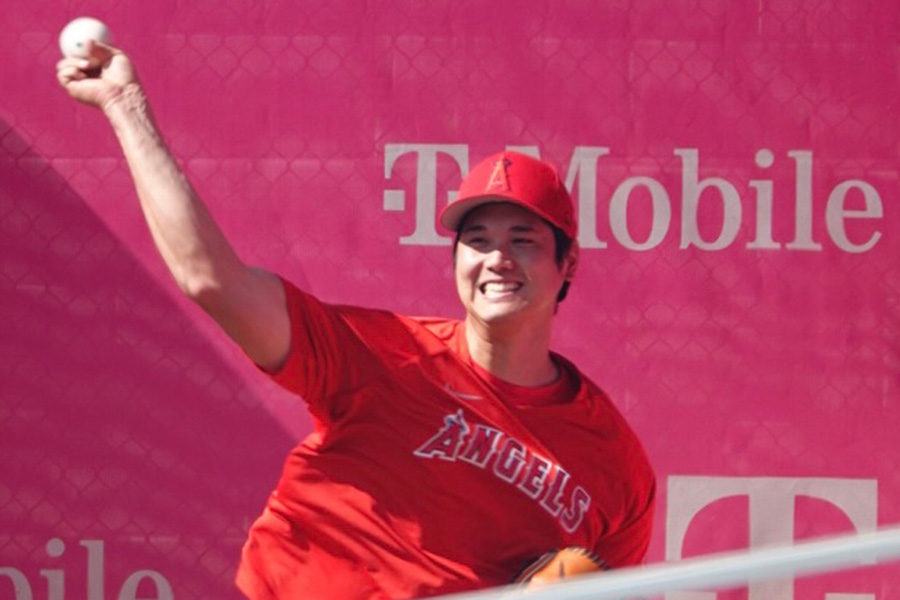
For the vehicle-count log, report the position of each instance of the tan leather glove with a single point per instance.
(560, 564)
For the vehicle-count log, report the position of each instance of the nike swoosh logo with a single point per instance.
(461, 395)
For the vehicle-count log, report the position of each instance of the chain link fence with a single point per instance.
(134, 438)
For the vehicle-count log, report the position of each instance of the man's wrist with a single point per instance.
(129, 111)
(127, 100)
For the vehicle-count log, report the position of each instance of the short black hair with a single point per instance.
(562, 246)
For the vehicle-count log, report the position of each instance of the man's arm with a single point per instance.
(248, 303)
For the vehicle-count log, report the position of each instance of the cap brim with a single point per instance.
(454, 213)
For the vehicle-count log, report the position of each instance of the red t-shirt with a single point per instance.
(425, 475)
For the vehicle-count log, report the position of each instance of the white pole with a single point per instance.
(721, 570)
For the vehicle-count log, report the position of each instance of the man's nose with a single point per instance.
(500, 258)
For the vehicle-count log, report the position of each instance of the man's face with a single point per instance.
(506, 267)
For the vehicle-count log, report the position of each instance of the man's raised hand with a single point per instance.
(99, 80)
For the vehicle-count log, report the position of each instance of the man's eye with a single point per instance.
(523, 241)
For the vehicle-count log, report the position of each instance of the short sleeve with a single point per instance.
(326, 356)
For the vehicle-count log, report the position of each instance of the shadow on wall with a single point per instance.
(118, 421)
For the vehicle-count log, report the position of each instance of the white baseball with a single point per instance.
(74, 36)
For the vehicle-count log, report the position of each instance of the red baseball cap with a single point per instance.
(517, 178)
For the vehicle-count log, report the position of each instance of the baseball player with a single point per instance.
(446, 455)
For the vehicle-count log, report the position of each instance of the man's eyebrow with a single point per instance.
(472, 227)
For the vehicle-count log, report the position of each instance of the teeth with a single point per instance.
(499, 287)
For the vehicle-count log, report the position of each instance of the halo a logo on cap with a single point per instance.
(499, 179)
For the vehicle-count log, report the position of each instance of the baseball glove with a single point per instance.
(560, 564)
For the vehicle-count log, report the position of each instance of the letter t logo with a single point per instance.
(771, 519)
(426, 187)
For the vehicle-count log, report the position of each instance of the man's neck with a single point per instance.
(518, 355)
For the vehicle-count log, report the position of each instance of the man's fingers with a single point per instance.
(70, 73)
(78, 63)
(99, 52)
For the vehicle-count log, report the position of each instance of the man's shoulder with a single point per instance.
(401, 333)
(604, 415)
(435, 334)
(441, 327)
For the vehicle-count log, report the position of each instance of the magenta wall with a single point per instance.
(735, 169)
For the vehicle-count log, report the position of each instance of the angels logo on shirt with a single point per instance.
(511, 461)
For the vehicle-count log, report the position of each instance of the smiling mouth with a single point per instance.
(496, 289)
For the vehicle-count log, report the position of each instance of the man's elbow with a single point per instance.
(201, 286)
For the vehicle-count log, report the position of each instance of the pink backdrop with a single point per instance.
(735, 167)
